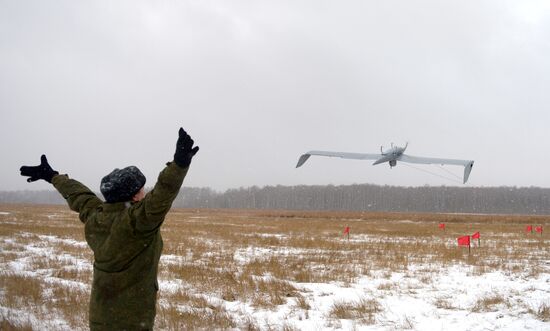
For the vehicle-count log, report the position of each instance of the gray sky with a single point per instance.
(102, 84)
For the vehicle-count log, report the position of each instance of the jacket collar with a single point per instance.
(116, 206)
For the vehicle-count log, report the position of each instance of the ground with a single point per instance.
(285, 270)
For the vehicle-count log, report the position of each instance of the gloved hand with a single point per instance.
(42, 171)
(184, 149)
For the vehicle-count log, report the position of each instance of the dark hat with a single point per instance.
(122, 184)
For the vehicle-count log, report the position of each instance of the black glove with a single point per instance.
(184, 149)
(42, 171)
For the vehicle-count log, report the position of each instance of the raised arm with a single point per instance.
(80, 198)
(150, 212)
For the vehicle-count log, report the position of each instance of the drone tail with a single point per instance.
(302, 160)
(467, 169)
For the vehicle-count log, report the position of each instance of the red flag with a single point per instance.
(346, 230)
(475, 235)
(442, 226)
(529, 228)
(538, 229)
(464, 241)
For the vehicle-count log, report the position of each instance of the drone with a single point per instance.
(392, 155)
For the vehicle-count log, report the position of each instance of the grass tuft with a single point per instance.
(542, 312)
(364, 310)
(488, 303)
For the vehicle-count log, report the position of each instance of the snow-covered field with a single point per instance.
(292, 271)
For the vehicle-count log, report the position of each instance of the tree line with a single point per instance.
(359, 197)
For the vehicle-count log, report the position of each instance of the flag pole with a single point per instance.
(346, 231)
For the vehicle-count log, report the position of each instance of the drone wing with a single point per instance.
(354, 156)
(468, 164)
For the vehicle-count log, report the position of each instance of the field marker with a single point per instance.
(346, 231)
(464, 241)
(476, 236)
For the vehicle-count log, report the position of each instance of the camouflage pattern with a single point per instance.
(126, 241)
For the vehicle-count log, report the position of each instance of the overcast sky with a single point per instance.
(102, 84)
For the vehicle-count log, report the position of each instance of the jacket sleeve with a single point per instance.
(149, 213)
(80, 198)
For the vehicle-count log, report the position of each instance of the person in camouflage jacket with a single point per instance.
(124, 234)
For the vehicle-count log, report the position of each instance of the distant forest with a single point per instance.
(360, 197)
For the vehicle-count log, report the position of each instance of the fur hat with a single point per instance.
(122, 184)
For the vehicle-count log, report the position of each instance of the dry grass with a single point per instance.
(363, 310)
(444, 303)
(302, 303)
(173, 318)
(542, 312)
(7, 325)
(21, 290)
(260, 258)
(489, 303)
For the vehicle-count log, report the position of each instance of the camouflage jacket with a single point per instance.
(127, 244)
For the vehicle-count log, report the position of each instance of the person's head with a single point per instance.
(123, 185)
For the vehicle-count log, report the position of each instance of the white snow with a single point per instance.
(402, 308)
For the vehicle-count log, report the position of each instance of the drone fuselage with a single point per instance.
(391, 155)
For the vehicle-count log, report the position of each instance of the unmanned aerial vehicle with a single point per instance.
(392, 155)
